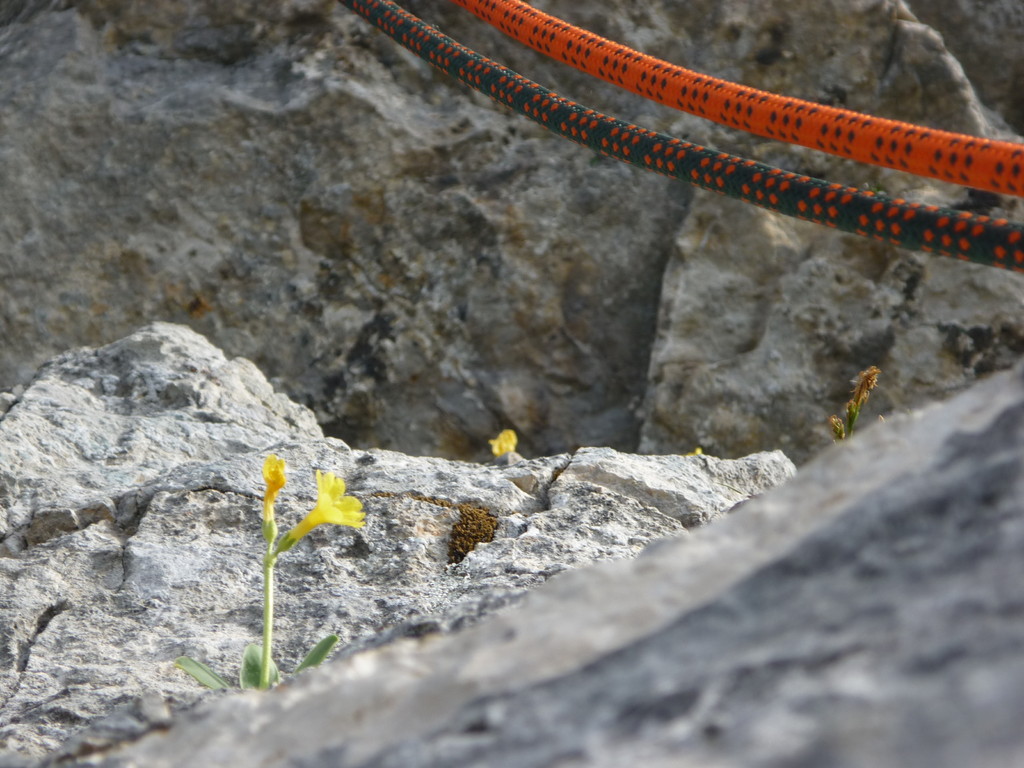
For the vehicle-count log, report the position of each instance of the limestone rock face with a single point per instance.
(422, 268)
(131, 488)
(866, 613)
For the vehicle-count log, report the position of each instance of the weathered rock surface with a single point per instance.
(866, 613)
(985, 39)
(130, 488)
(422, 268)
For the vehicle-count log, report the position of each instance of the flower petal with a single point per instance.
(332, 506)
(273, 473)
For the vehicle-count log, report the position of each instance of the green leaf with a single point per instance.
(202, 673)
(249, 675)
(320, 652)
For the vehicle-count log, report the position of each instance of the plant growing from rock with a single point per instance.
(258, 669)
(866, 381)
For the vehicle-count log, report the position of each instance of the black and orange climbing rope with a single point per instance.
(961, 234)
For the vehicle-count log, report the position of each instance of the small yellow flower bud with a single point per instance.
(273, 476)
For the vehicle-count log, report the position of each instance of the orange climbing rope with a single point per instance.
(997, 166)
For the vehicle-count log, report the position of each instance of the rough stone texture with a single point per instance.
(307, 207)
(667, 483)
(764, 319)
(423, 269)
(752, 356)
(97, 425)
(130, 488)
(866, 613)
(985, 38)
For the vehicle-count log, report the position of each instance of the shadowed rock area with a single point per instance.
(422, 268)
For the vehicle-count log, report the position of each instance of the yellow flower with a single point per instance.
(504, 443)
(273, 476)
(332, 506)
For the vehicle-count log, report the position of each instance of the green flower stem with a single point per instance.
(852, 412)
(268, 615)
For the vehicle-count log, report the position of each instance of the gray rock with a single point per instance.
(984, 39)
(130, 481)
(7, 399)
(866, 613)
(277, 203)
(423, 269)
(692, 489)
(94, 426)
(759, 353)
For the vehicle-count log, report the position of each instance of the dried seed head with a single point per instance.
(866, 381)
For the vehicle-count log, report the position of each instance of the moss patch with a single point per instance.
(474, 525)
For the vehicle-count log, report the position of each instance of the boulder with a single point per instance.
(422, 268)
(131, 488)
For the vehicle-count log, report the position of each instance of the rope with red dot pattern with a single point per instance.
(996, 166)
(961, 234)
